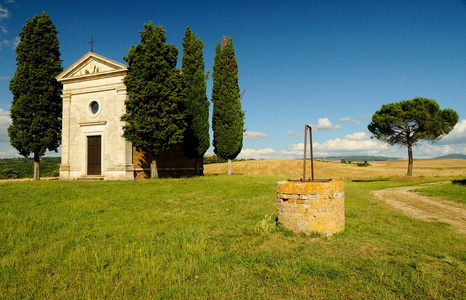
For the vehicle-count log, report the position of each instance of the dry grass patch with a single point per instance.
(293, 168)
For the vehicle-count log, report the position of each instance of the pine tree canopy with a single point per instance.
(36, 109)
(411, 121)
(228, 118)
(408, 122)
(196, 138)
(154, 109)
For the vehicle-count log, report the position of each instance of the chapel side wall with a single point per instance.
(172, 163)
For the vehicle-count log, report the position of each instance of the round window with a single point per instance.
(94, 107)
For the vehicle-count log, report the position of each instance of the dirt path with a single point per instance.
(426, 208)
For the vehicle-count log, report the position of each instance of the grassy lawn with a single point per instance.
(453, 192)
(212, 237)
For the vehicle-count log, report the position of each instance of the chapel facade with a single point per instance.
(93, 145)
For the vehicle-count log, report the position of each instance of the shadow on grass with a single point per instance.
(459, 182)
(370, 180)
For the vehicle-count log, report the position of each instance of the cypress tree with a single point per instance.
(36, 108)
(228, 118)
(154, 109)
(196, 138)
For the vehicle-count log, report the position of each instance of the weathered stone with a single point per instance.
(319, 206)
(93, 101)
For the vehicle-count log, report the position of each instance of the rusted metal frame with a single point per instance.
(304, 160)
(306, 129)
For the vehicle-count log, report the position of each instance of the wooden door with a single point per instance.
(94, 155)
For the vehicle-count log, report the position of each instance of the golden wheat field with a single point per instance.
(293, 168)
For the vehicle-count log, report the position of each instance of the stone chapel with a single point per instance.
(92, 143)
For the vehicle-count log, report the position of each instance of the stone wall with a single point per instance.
(311, 206)
(94, 78)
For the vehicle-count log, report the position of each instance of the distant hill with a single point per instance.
(461, 156)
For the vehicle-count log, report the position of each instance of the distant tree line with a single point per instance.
(359, 164)
(13, 168)
(214, 159)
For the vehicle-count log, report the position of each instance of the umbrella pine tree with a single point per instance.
(409, 122)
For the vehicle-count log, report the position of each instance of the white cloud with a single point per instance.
(5, 117)
(357, 136)
(428, 150)
(6, 153)
(293, 151)
(3, 29)
(5, 122)
(456, 136)
(349, 120)
(4, 13)
(15, 42)
(4, 43)
(324, 124)
(338, 147)
(4, 78)
(257, 153)
(360, 143)
(294, 134)
(344, 145)
(254, 135)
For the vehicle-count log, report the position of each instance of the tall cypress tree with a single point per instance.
(154, 109)
(196, 138)
(228, 118)
(36, 109)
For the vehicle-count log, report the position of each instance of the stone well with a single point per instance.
(311, 206)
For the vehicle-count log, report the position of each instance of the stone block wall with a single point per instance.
(309, 207)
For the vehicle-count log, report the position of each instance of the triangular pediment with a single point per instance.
(91, 65)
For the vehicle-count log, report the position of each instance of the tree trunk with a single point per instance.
(229, 167)
(153, 168)
(196, 166)
(410, 161)
(36, 167)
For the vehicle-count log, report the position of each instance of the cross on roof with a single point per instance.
(92, 44)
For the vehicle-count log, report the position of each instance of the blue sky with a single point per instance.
(329, 63)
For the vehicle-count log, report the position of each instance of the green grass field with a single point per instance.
(213, 237)
(453, 192)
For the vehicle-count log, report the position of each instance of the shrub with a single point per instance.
(266, 225)
(8, 173)
(213, 159)
(459, 182)
(364, 164)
